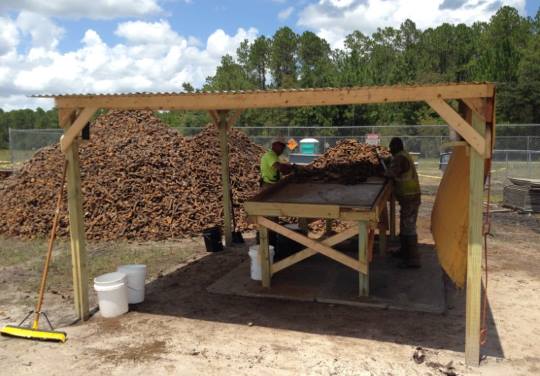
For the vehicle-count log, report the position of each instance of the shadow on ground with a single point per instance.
(183, 293)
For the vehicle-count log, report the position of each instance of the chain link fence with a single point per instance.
(516, 154)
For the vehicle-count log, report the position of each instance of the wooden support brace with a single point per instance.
(75, 129)
(308, 252)
(477, 105)
(474, 253)
(76, 228)
(363, 254)
(315, 245)
(65, 116)
(215, 117)
(265, 256)
(460, 125)
(233, 118)
(225, 178)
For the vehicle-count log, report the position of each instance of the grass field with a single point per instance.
(4, 158)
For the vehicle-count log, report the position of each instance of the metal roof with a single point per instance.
(233, 92)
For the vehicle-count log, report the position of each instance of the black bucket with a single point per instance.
(212, 239)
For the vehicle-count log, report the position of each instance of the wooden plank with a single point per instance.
(278, 209)
(363, 276)
(352, 214)
(460, 125)
(474, 253)
(278, 98)
(383, 227)
(313, 244)
(76, 228)
(225, 179)
(307, 252)
(75, 129)
(265, 256)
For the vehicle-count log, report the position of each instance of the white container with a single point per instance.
(136, 274)
(254, 254)
(112, 294)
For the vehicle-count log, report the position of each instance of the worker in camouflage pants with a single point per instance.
(407, 191)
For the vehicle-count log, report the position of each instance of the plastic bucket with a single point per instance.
(212, 239)
(112, 294)
(136, 274)
(255, 256)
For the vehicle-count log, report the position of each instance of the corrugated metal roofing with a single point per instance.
(233, 92)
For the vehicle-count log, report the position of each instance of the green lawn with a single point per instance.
(4, 157)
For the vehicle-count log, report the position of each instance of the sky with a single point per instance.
(100, 46)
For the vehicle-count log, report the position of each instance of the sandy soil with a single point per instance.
(181, 329)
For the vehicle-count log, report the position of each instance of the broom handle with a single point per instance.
(50, 248)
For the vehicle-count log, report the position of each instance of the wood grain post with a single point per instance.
(265, 256)
(225, 178)
(474, 251)
(76, 229)
(363, 257)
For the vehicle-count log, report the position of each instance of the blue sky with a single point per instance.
(152, 45)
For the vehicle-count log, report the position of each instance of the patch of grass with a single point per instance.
(106, 257)
(18, 252)
(5, 160)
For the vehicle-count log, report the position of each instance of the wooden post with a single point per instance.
(265, 256)
(383, 227)
(392, 217)
(474, 251)
(225, 178)
(76, 228)
(363, 278)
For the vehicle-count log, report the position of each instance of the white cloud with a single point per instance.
(151, 57)
(43, 31)
(9, 35)
(334, 19)
(285, 13)
(96, 9)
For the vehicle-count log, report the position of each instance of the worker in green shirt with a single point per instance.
(271, 167)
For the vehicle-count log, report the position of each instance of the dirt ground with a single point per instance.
(181, 329)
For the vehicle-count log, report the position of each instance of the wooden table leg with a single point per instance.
(383, 227)
(265, 256)
(363, 279)
(392, 217)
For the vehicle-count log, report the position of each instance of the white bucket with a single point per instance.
(255, 256)
(136, 273)
(111, 289)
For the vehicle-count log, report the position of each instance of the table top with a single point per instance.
(358, 195)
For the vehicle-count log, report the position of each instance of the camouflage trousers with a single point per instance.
(408, 213)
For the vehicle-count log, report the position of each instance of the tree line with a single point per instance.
(505, 50)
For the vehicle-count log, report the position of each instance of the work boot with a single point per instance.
(412, 256)
(402, 251)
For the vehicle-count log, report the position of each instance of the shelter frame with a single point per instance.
(75, 111)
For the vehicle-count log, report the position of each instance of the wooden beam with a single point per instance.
(313, 244)
(460, 125)
(76, 228)
(278, 98)
(75, 129)
(363, 251)
(308, 252)
(225, 178)
(474, 252)
(265, 256)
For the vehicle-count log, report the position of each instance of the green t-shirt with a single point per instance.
(269, 173)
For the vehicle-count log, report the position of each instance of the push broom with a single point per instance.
(34, 332)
